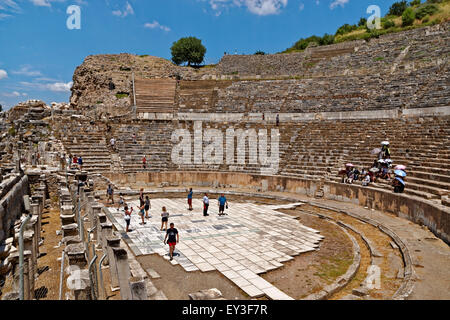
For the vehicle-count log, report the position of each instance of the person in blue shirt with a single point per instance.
(80, 163)
(222, 202)
(190, 194)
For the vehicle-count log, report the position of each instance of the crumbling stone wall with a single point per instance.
(11, 203)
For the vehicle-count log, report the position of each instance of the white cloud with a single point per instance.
(301, 6)
(15, 94)
(41, 3)
(9, 5)
(265, 7)
(59, 86)
(123, 13)
(258, 7)
(27, 71)
(55, 87)
(155, 25)
(3, 74)
(336, 3)
(45, 3)
(8, 8)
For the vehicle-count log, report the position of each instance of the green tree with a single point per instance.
(388, 24)
(408, 17)
(346, 28)
(1, 108)
(326, 39)
(362, 22)
(414, 3)
(259, 53)
(397, 8)
(427, 9)
(189, 49)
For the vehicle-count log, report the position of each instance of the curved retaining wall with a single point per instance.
(436, 217)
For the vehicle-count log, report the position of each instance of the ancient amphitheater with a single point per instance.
(293, 230)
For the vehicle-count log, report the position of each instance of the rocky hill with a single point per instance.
(417, 58)
(106, 80)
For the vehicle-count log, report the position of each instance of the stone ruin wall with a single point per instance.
(11, 204)
(379, 74)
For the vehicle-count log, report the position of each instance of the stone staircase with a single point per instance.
(89, 142)
(155, 95)
(422, 144)
(152, 140)
(199, 96)
(308, 149)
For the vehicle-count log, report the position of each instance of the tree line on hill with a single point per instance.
(408, 11)
(191, 51)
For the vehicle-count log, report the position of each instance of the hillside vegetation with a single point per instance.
(402, 16)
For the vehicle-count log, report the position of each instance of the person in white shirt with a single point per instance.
(113, 142)
(366, 180)
(205, 205)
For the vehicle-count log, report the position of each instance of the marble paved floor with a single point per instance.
(251, 239)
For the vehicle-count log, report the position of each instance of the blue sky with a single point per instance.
(39, 53)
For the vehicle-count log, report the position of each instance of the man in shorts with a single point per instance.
(189, 198)
(142, 214)
(222, 202)
(174, 238)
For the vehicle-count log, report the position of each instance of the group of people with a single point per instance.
(222, 201)
(76, 161)
(380, 169)
(172, 236)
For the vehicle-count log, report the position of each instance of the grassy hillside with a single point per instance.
(418, 14)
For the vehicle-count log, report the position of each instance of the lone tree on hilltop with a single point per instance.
(190, 50)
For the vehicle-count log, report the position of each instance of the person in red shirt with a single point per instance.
(144, 162)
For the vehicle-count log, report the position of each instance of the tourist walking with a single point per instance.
(128, 218)
(164, 218)
(110, 194)
(222, 202)
(80, 163)
(144, 162)
(142, 214)
(134, 138)
(278, 120)
(121, 201)
(189, 199)
(174, 238)
(205, 205)
(113, 143)
(141, 197)
(148, 206)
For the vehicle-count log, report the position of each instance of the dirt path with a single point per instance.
(177, 283)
